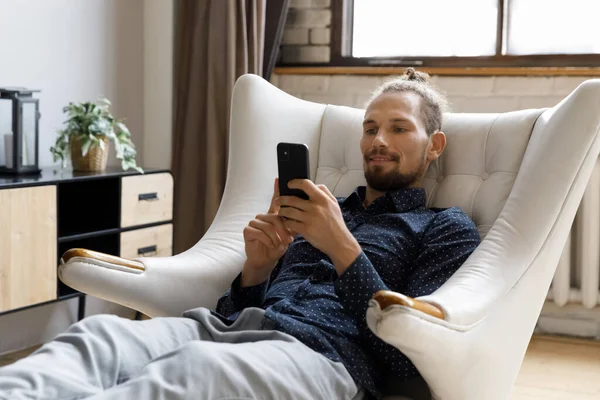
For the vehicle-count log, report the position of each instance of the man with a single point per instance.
(292, 326)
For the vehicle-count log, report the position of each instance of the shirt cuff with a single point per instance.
(249, 296)
(357, 285)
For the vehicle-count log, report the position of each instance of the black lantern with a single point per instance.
(19, 131)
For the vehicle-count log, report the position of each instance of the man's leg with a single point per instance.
(267, 369)
(94, 354)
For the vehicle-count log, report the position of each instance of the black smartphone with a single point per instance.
(293, 163)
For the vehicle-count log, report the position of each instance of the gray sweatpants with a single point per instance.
(200, 357)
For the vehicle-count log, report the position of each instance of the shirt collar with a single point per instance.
(354, 199)
(403, 200)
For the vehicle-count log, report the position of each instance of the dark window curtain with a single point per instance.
(216, 41)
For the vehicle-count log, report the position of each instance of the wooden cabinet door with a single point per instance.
(28, 259)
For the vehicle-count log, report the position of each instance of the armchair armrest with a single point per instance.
(95, 256)
(386, 298)
(157, 286)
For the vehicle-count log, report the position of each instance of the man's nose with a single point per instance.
(380, 139)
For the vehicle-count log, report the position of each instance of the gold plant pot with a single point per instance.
(94, 161)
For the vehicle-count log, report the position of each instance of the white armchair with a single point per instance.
(519, 175)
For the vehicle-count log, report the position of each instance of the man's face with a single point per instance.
(394, 143)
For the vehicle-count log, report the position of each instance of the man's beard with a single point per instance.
(394, 179)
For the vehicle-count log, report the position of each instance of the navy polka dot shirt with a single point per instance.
(407, 248)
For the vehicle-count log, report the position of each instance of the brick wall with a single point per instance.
(307, 34)
(466, 94)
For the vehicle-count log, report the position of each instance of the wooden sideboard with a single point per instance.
(117, 212)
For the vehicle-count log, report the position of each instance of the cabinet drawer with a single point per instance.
(147, 242)
(146, 199)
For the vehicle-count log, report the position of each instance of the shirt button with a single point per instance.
(440, 178)
(485, 175)
(344, 169)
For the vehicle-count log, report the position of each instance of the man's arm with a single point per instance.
(265, 242)
(239, 297)
(356, 285)
(447, 244)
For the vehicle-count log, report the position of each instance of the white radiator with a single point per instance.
(577, 278)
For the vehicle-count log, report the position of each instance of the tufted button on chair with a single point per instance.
(519, 175)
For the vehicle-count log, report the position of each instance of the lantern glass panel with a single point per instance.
(29, 118)
(6, 122)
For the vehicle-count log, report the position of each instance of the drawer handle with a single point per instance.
(148, 196)
(147, 251)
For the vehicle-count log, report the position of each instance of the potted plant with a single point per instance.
(90, 128)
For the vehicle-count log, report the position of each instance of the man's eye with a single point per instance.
(371, 131)
(399, 130)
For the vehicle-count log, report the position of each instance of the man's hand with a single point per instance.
(319, 220)
(266, 240)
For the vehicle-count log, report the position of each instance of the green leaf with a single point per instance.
(57, 154)
(118, 148)
(103, 101)
(85, 147)
(123, 128)
(100, 126)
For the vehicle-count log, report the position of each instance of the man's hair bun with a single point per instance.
(410, 74)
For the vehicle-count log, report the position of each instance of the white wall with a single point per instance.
(71, 50)
(466, 94)
(74, 51)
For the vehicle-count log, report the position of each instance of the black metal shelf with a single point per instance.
(60, 298)
(53, 175)
(87, 235)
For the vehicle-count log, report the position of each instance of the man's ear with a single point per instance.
(437, 144)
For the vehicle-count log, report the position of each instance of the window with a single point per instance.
(467, 33)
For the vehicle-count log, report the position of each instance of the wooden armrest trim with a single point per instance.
(69, 254)
(386, 298)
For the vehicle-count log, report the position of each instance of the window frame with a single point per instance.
(341, 16)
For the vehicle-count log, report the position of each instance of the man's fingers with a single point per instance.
(268, 229)
(274, 219)
(274, 207)
(292, 232)
(292, 213)
(325, 190)
(251, 233)
(293, 201)
(276, 188)
(294, 226)
(307, 186)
